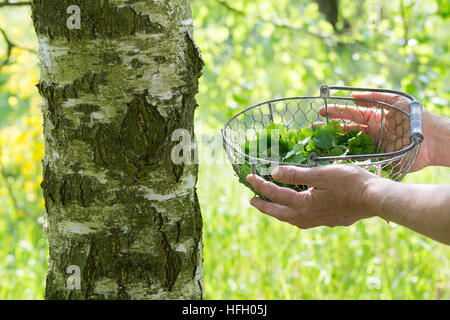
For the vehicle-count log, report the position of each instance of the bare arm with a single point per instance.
(422, 208)
(437, 134)
(341, 195)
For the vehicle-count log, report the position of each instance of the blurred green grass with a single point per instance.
(251, 256)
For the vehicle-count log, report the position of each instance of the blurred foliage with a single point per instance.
(254, 51)
(257, 50)
(23, 253)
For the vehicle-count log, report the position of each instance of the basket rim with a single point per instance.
(392, 157)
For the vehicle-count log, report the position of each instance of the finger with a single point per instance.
(317, 123)
(275, 210)
(300, 176)
(345, 126)
(362, 128)
(350, 113)
(376, 96)
(284, 196)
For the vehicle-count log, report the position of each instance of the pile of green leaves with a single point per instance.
(278, 143)
(294, 146)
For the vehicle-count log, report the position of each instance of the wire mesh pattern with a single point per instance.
(388, 125)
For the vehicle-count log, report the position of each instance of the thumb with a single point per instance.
(293, 175)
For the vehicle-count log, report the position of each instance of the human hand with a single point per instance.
(337, 195)
(395, 135)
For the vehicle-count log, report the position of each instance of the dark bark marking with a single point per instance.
(91, 269)
(172, 262)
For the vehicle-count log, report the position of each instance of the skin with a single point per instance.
(340, 195)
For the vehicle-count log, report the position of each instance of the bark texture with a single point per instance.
(114, 91)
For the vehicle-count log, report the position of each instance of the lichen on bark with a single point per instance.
(113, 91)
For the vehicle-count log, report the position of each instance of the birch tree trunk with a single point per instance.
(117, 78)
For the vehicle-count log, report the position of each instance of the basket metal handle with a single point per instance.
(415, 121)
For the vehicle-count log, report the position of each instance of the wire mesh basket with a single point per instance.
(397, 133)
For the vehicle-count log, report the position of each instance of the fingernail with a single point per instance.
(249, 178)
(254, 200)
(275, 172)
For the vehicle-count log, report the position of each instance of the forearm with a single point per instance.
(422, 208)
(439, 132)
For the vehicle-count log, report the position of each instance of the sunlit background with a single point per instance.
(255, 50)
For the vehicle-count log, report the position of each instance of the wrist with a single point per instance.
(437, 139)
(375, 196)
